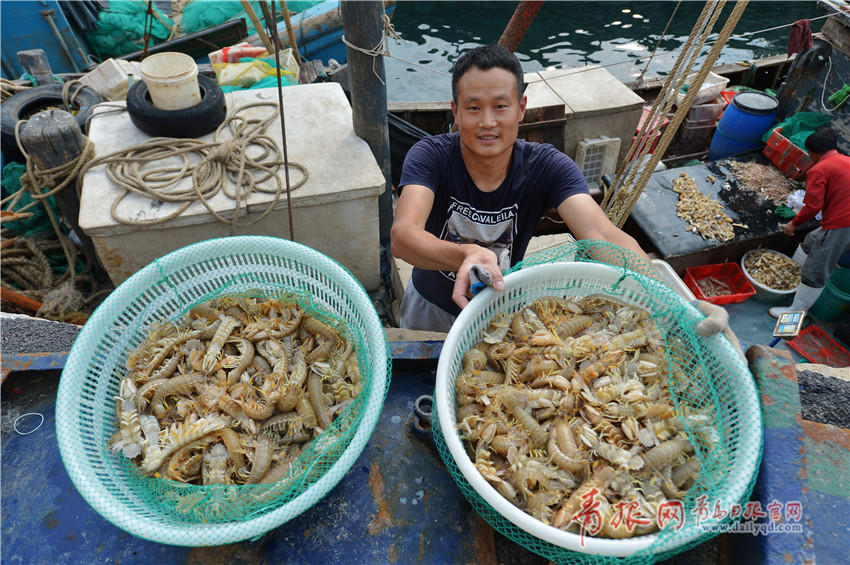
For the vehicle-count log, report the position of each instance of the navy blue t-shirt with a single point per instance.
(540, 177)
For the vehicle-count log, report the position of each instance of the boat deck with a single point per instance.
(398, 503)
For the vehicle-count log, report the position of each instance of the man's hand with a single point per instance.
(789, 228)
(462, 292)
(716, 321)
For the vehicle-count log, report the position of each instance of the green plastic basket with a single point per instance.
(731, 471)
(166, 289)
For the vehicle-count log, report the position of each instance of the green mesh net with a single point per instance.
(37, 225)
(200, 15)
(171, 512)
(121, 28)
(704, 375)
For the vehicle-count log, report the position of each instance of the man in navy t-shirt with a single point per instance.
(475, 197)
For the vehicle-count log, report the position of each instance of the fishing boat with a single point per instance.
(59, 28)
(398, 503)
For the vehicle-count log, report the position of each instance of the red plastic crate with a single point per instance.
(776, 145)
(660, 124)
(728, 95)
(816, 346)
(728, 273)
(796, 163)
(788, 158)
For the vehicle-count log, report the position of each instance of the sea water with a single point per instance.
(566, 34)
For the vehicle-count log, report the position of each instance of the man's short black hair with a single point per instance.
(821, 141)
(487, 57)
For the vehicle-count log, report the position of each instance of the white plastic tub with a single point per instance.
(710, 110)
(711, 88)
(738, 404)
(763, 293)
(172, 80)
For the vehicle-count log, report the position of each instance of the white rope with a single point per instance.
(782, 26)
(27, 415)
(823, 91)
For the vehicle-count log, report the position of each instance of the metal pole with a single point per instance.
(49, 15)
(361, 23)
(519, 24)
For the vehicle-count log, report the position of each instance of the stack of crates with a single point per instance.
(698, 127)
(788, 158)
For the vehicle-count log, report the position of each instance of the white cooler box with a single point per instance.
(334, 212)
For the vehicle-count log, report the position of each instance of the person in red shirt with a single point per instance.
(828, 192)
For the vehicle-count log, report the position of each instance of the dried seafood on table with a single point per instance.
(233, 393)
(766, 180)
(772, 269)
(706, 217)
(568, 399)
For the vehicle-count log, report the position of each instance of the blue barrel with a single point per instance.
(747, 118)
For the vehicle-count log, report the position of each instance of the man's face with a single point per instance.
(488, 111)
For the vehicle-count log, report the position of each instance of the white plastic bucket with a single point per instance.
(172, 80)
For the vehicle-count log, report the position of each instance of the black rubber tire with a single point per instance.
(27, 103)
(196, 121)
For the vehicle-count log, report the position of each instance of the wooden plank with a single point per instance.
(436, 106)
(35, 62)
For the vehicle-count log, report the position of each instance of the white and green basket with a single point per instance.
(166, 289)
(727, 475)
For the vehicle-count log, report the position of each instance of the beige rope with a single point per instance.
(34, 181)
(627, 191)
(9, 88)
(383, 47)
(69, 97)
(663, 103)
(26, 265)
(141, 169)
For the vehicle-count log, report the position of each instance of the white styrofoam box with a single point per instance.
(596, 103)
(112, 78)
(334, 212)
(597, 157)
(711, 88)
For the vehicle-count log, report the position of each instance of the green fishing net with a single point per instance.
(172, 512)
(121, 28)
(202, 14)
(798, 127)
(37, 225)
(704, 375)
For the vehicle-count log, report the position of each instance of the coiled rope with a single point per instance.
(9, 88)
(25, 262)
(241, 152)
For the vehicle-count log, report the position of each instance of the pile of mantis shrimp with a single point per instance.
(564, 406)
(233, 392)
